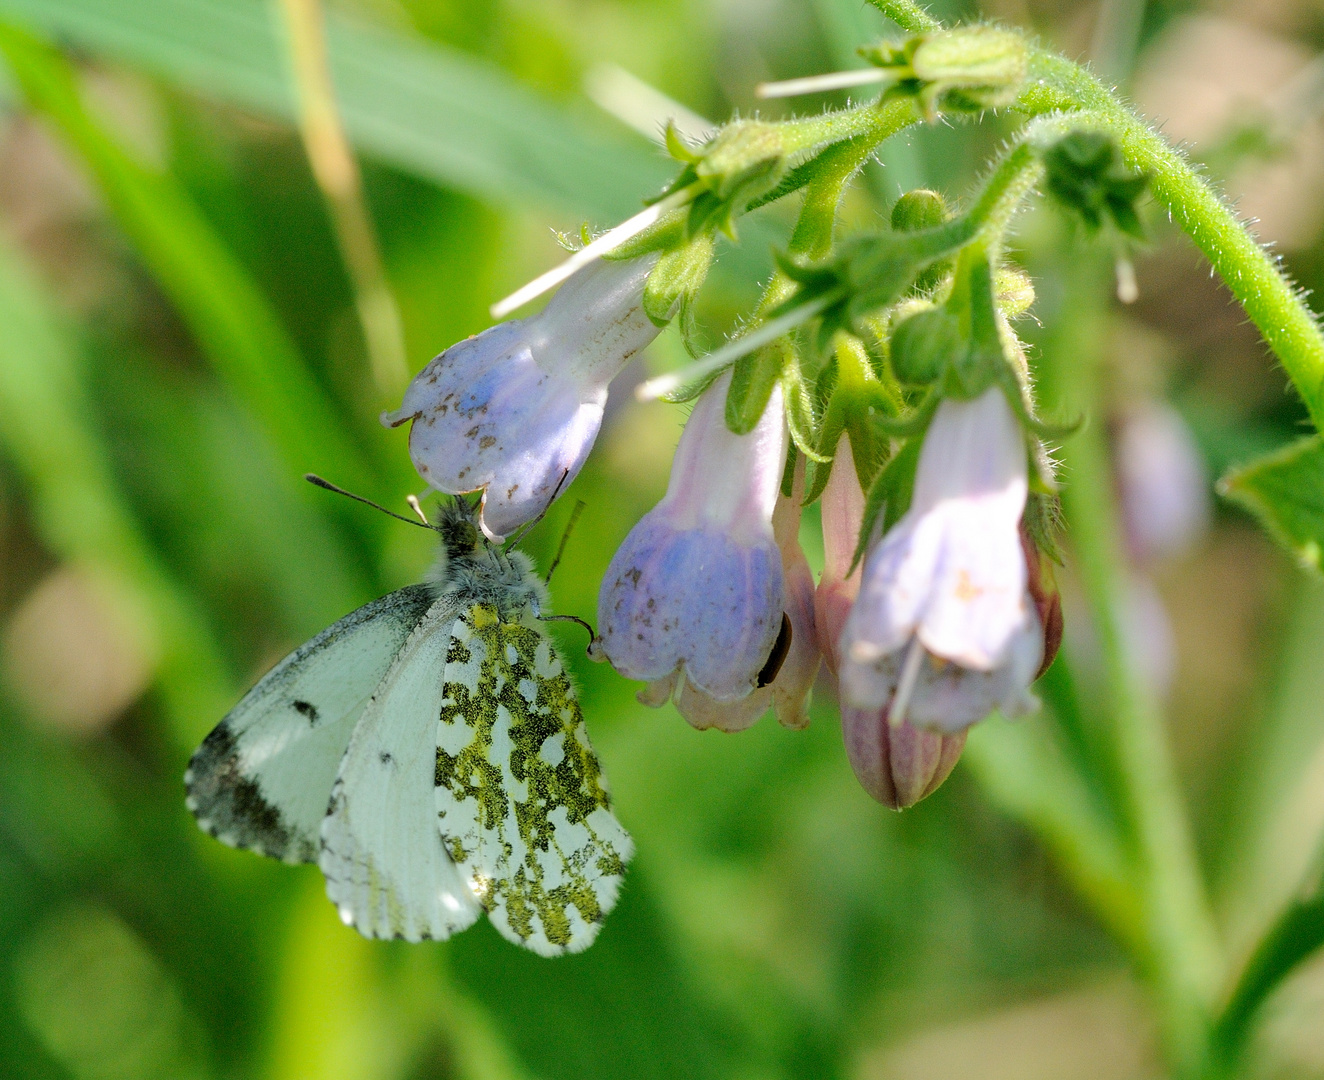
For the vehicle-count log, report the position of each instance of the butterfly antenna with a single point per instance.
(565, 536)
(525, 529)
(317, 481)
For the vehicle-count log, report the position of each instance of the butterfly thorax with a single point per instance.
(473, 570)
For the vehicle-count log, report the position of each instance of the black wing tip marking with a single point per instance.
(231, 807)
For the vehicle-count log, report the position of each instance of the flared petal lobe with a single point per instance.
(513, 412)
(698, 581)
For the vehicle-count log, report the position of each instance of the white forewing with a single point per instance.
(262, 779)
(386, 870)
(520, 798)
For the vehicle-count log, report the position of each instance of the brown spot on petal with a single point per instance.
(486, 442)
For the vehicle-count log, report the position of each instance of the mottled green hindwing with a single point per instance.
(521, 803)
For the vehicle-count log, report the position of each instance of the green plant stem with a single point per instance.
(336, 171)
(1181, 952)
(1275, 306)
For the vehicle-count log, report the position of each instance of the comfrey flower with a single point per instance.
(513, 412)
(944, 631)
(898, 764)
(694, 600)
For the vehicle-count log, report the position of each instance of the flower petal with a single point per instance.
(692, 596)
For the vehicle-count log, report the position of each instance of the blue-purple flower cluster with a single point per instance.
(710, 600)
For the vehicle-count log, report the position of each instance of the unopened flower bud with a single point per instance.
(919, 209)
(696, 592)
(1041, 585)
(898, 764)
(976, 67)
(842, 507)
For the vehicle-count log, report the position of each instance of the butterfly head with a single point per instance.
(476, 570)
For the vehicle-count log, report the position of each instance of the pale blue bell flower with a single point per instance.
(694, 598)
(943, 631)
(513, 412)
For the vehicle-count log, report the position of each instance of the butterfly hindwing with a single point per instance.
(520, 799)
(262, 778)
(386, 870)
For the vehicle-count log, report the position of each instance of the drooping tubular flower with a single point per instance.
(944, 630)
(693, 602)
(898, 764)
(513, 412)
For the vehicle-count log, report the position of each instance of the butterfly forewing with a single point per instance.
(262, 778)
(520, 798)
(386, 870)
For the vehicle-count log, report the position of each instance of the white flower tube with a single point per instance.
(943, 631)
(513, 412)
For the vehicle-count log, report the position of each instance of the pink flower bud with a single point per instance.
(898, 764)
(842, 508)
(696, 593)
(513, 412)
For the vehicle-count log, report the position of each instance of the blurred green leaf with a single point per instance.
(1297, 934)
(47, 429)
(1285, 490)
(102, 1004)
(225, 310)
(1024, 772)
(426, 109)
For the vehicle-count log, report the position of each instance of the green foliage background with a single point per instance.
(178, 345)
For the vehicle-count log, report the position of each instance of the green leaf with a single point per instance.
(430, 111)
(1285, 490)
(227, 313)
(1297, 934)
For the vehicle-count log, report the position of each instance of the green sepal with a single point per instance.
(800, 419)
(974, 368)
(1085, 173)
(691, 390)
(752, 381)
(889, 496)
(677, 147)
(676, 278)
(1043, 522)
(1285, 491)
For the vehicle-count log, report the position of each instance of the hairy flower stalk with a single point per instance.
(694, 599)
(513, 412)
(898, 764)
(944, 630)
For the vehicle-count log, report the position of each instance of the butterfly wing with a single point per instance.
(262, 778)
(386, 870)
(519, 793)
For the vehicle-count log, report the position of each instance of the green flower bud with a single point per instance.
(919, 209)
(924, 344)
(972, 68)
(967, 69)
(1014, 291)
(745, 154)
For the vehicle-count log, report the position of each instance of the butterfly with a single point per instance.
(428, 752)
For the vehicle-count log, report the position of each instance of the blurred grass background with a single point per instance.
(179, 343)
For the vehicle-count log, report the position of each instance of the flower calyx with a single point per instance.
(1085, 173)
(963, 70)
